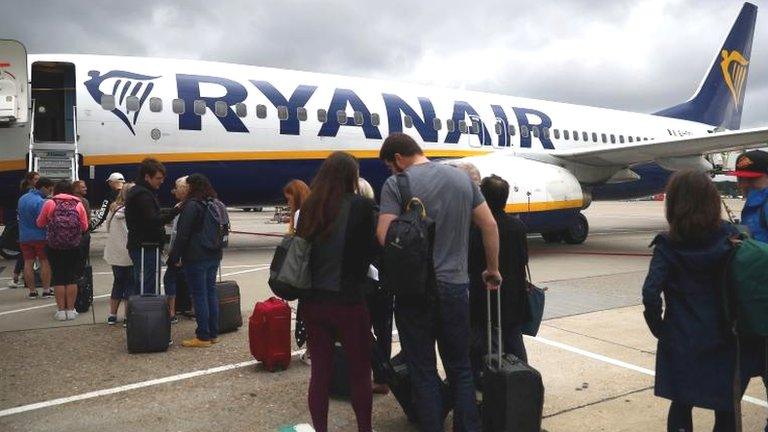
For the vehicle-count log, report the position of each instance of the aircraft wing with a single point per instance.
(647, 151)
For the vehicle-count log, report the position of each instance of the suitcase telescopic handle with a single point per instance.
(144, 247)
(498, 316)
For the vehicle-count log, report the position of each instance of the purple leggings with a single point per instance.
(350, 324)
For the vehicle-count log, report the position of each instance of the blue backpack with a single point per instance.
(216, 227)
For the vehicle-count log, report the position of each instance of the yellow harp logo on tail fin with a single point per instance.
(734, 67)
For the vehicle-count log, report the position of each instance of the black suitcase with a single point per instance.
(84, 298)
(183, 297)
(230, 316)
(513, 393)
(149, 323)
(340, 380)
(399, 382)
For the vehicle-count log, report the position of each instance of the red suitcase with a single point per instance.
(269, 333)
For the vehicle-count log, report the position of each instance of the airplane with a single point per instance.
(252, 129)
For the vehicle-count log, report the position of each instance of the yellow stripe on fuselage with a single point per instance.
(543, 206)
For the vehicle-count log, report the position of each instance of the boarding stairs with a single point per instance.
(56, 160)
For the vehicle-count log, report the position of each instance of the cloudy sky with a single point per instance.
(624, 54)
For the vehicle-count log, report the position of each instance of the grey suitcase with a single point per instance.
(149, 323)
(230, 316)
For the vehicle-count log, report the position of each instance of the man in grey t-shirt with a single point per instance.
(453, 202)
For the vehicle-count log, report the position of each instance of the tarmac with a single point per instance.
(594, 351)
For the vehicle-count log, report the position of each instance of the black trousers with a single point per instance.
(380, 308)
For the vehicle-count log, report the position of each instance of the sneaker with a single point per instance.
(175, 319)
(125, 322)
(170, 342)
(72, 314)
(195, 343)
(112, 319)
(32, 295)
(47, 294)
(305, 358)
(215, 340)
(60, 316)
(15, 284)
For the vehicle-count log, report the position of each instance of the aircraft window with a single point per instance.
(450, 125)
(375, 119)
(301, 113)
(575, 135)
(358, 118)
(497, 128)
(630, 139)
(557, 133)
(546, 133)
(407, 121)
(282, 112)
(155, 104)
(132, 103)
(322, 115)
(535, 131)
(638, 139)
(261, 111)
(221, 108)
(462, 126)
(475, 128)
(621, 139)
(594, 136)
(241, 110)
(437, 124)
(613, 139)
(341, 117)
(199, 107)
(178, 106)
(108, 102)
(604, 138)
(511, 130)
(585, 136)
(566, 134)
(524, 131)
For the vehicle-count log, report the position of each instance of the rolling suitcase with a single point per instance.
(183, 297)
(399, 382)
(269, 333)
(513, 393)
(149, 323)
(84, 298)
(230, 317)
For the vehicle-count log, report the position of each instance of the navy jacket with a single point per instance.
(188, 247)
(696, 354)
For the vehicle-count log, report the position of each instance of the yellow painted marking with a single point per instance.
(543, 206)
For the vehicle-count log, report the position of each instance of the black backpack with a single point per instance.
(407, 262)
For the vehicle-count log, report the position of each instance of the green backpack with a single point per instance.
(748, 277)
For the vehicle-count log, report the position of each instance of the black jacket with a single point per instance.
(145, 221)
(353, 257)
(513, 257)
(187, 246)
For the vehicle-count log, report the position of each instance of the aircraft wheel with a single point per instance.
(578, 232)
(552, 237)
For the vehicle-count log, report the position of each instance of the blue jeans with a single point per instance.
(150, 270)
(445, 321)
(201, 278)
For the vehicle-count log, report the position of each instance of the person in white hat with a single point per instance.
(115, 181)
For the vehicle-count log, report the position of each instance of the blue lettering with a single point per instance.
(342, 97)
(503, 134)
(460, 111)
(189, 90)
(395, 105)
(544, 122)
(299, 98)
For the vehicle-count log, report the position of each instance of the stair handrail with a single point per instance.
(75, 167)
(31, 137)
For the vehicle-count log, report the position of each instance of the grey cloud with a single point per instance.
(509, 47)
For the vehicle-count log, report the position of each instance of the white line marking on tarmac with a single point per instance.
(252, 270)
(134, 386)
(625, 365)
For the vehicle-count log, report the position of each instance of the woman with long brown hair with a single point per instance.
(340, 225)
(295, 192)
(695, 358)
